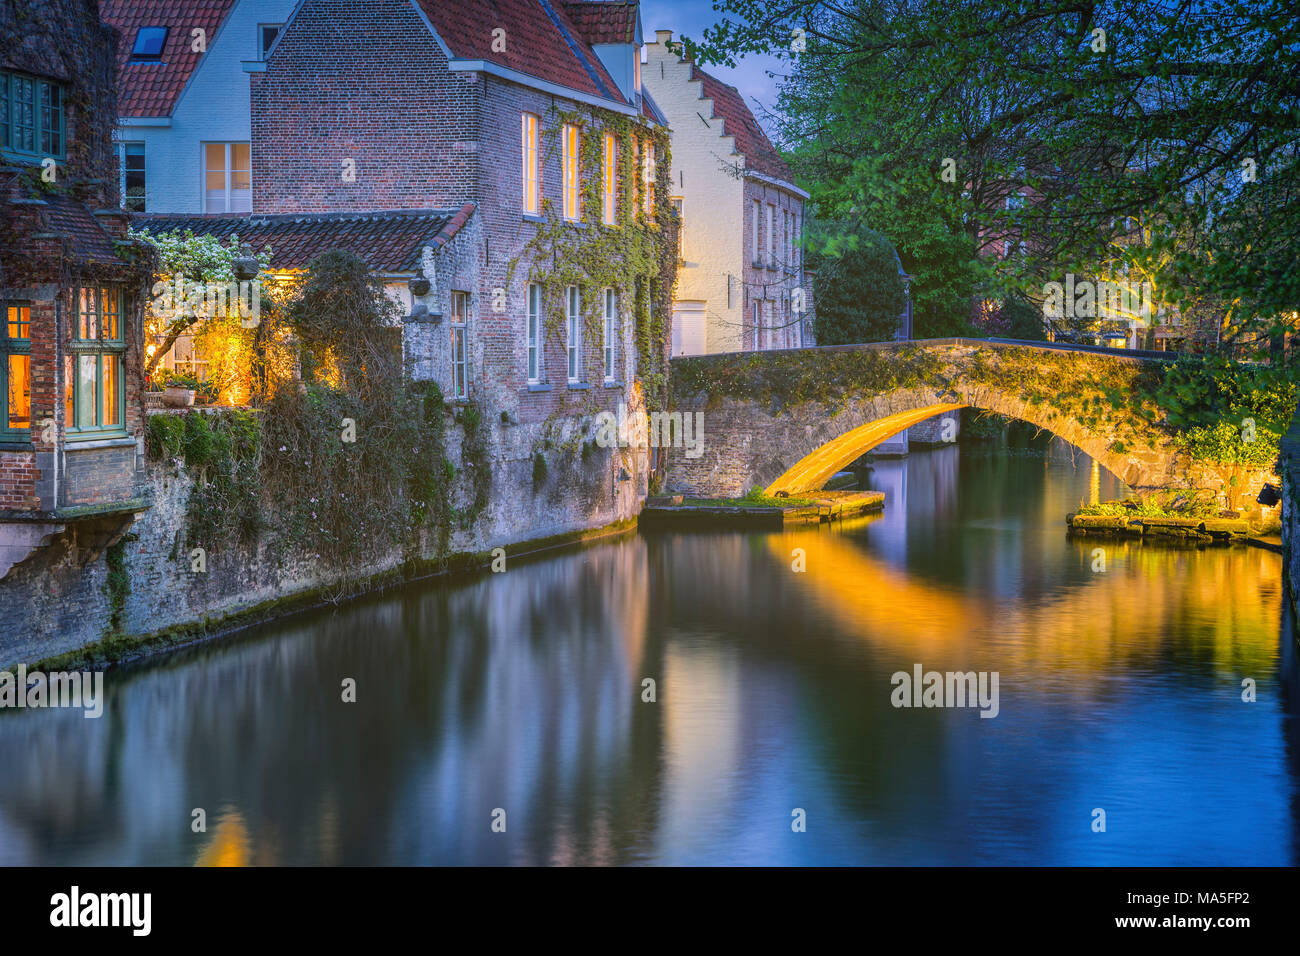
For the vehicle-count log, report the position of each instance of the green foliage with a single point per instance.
(118, 581)
(539, 470)
(1229, 412)
(474, 455)
(1184, 122)
(164, 436)
(347, 327)
(637, 257)
(860, 295)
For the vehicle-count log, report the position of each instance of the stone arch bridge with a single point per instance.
(786, 421)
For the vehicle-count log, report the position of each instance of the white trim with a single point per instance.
(144, 121)
(781, 183)
(544, 86)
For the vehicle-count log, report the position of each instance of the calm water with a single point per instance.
(1118, 690)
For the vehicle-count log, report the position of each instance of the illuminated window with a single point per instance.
(16, 373)
(609, 182)
(227, 178)
(93, 382)
(569, 149)
(573, 336)
(459, 364)
(534, 332)
(532, 191)
(611, 309)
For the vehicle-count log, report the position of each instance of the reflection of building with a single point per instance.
(70, 445)
(741, 284)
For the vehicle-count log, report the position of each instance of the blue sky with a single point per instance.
(690, 17)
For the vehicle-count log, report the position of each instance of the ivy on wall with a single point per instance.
(637, 257)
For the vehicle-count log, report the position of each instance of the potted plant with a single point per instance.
(179, 389)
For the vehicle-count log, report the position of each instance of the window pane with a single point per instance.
(69, 381)
(214, 177)
(20, 391)
(24, 100)
(149, 43)
(87, 379)
(108, 314)
(19, 321)
(133, 163)
(51, 120)
(4, 110)
(112, 385)
(89, 324)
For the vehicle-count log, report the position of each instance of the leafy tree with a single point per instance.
(205, 262)
(347, 326)
(860, 295)
(1176, 113)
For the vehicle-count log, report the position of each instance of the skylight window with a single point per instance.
(149, 43)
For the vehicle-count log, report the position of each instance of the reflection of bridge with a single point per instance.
(788, 420)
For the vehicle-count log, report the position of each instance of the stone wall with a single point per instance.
(65, 597)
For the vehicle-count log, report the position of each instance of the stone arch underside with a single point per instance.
(796, 449)
(863, 424)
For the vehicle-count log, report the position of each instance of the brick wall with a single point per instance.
(364, 82)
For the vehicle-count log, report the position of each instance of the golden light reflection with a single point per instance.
(229, 844)
(1075, 629)
(813, 471)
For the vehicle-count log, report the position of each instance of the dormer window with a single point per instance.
(149, 43)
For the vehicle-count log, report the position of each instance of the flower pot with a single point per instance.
(178, 397)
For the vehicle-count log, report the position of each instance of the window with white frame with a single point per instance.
(611, 310)
(227, 178)
(648, 177)
(266, 34)
(569, 163)
(531, 170)
(758, 326)
(758, 212)
(534, 332)
(133, 190)
(771, 235)
(573, 333)
(459, 363)
(609, 182)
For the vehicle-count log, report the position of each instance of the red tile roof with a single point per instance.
(603, 21)
(542, 41)
(86, 241)
(151, 89)
(385, 241)
(728, 105)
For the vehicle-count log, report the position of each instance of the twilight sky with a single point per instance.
(691, 17)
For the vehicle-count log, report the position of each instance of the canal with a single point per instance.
(1120, 686)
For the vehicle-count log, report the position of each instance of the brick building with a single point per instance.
(71, 289)
(742, 283)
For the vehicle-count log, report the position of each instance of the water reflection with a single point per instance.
(522, 691)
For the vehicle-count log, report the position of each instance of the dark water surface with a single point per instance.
(1118, 689)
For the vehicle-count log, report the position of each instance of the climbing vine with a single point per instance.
(637, 257)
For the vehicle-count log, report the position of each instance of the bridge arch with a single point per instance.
(788, 420)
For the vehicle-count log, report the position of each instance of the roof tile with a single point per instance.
(385, 241)
(737, 120)
(152, 89)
